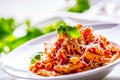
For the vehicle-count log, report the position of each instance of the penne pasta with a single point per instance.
(96, 58)
(69, 67)
(73, 52)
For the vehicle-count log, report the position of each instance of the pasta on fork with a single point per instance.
(76, 49)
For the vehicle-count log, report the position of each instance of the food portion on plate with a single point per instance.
(76, 49)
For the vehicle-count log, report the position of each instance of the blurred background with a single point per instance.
(18, 19)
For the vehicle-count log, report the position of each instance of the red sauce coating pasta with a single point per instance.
(67, 55)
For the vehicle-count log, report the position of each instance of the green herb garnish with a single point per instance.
(70, 31)
(36, 58)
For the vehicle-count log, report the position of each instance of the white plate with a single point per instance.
(17, 62)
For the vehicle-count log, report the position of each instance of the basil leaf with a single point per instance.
(33, 60)
(73, 32)
(70, 31)
(37, 57)
(61, 29)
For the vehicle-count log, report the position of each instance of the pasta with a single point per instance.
(67, 55)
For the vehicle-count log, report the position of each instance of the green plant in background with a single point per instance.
(52, 27)
(80, 6)
(32, 32)
(8, 41)
(7, 26)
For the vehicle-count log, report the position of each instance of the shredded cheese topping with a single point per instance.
(67, 55)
